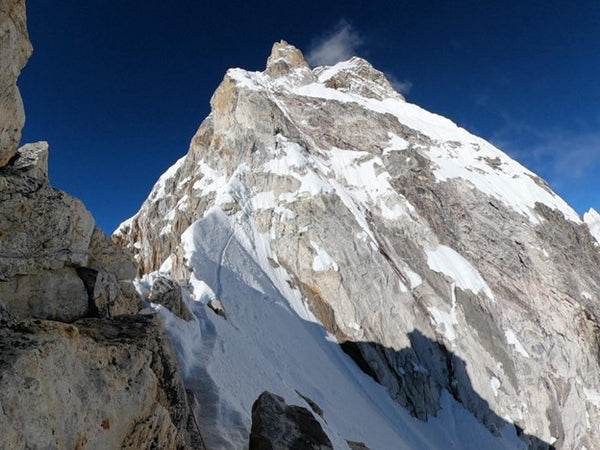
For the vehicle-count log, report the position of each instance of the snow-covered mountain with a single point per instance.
(417, 284)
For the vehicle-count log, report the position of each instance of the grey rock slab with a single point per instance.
(47, 294)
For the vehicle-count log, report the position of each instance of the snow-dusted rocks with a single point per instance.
(165, 291)
(451, 274)
(286, 60)
(357, 76)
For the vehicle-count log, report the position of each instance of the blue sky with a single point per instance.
(119, 88)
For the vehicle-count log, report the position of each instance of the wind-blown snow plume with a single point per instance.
(402, 86)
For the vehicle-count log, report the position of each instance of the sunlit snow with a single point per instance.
(592, 219)
(511, 339)
(447, 261)
(322, 261)
(265, 341)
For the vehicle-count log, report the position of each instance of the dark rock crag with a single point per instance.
(279, 426)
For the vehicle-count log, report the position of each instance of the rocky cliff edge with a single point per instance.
(78, 368)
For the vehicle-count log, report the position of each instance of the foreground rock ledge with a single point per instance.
(96, 383)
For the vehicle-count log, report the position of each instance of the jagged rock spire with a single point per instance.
(286, 59)
(282, 51)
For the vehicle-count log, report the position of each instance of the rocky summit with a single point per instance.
(329, 266)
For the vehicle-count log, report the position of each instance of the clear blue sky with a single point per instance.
(118, 88)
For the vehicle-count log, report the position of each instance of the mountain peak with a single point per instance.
(285, 58)
(358, 76)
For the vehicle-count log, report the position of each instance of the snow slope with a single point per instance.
(263, 344)
(592, 219)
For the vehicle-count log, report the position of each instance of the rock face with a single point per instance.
(14, 52)
(165, 291)
(54, 263)
(94, 383)
(408, 237)
(276, 425)
(77, 370)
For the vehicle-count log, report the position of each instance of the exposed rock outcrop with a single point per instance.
(105, 383)
(165, 291)
(92, 384)
(287, 60)
(276, 425)
(14, 52)
(357, 445)
(54, 263)
(216, 306)
(358, 76)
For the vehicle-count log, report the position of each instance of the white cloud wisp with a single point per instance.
(334, 47)
(562, 154)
